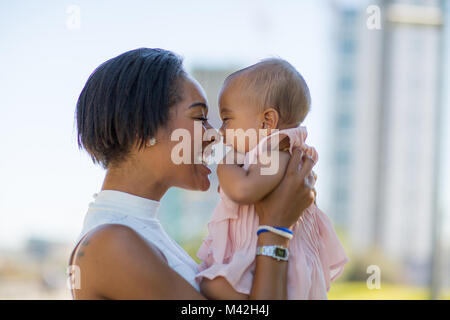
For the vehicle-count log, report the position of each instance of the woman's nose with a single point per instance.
(207, 125)
(211, 133)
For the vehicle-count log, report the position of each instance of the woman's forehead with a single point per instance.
(195, 90)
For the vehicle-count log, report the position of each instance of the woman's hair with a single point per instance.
(275, 83)
(125, 100)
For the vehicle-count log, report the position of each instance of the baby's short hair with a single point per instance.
(276, 84)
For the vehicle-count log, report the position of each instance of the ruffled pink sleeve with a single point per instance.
(215, 247)
(317, 256)
(332, 255)
(227, 251)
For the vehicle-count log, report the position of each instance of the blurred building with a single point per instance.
(211, 80)
(387, 90)
(35, 271)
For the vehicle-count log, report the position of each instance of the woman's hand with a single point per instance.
(284, 205)
(314, 189)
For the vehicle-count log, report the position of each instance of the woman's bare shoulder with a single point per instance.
(113, 237)
(112, 254)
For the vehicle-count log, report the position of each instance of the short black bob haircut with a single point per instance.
(125, 100)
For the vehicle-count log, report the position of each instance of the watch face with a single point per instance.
(280, 252)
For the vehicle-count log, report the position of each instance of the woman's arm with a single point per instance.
(116, 263)
(220, 289)
(282, 207)
(111, 270)
(250, 186)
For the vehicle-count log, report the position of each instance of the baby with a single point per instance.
(273, 96)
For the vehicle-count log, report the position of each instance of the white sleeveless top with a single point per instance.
(139, 214)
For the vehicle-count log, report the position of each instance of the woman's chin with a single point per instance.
(201, 184)
(205, 186)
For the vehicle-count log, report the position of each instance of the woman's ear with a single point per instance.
(270, 119)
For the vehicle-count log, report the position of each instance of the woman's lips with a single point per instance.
(203, 159)
(202, 163)
(203, 172)
(205, 168)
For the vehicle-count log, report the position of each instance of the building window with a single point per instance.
(344, 121)
(346, 84)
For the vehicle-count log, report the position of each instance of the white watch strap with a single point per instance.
(276, 252)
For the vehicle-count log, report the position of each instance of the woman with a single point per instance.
(125, 115)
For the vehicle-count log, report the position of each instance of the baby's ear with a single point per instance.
(270, 118)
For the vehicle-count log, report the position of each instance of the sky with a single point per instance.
(47, 182)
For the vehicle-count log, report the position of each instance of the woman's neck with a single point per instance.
(136, 180)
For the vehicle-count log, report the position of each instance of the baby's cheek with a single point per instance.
(222, 133)
(233, 141)
(252, 144)
(227, 135)
(238, 145)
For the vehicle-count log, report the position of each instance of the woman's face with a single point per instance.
(192, 173)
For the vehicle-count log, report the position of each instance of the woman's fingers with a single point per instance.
(305, 175)
(312, 153)
(294, 161)
(314, 189)
(284, 205)
(307, 166)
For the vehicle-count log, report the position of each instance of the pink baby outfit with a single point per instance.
(316, 254)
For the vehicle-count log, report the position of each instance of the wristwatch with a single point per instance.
(276, 252)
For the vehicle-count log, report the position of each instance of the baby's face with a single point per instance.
(241, 118)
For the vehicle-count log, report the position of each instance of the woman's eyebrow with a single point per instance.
(198, 104)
